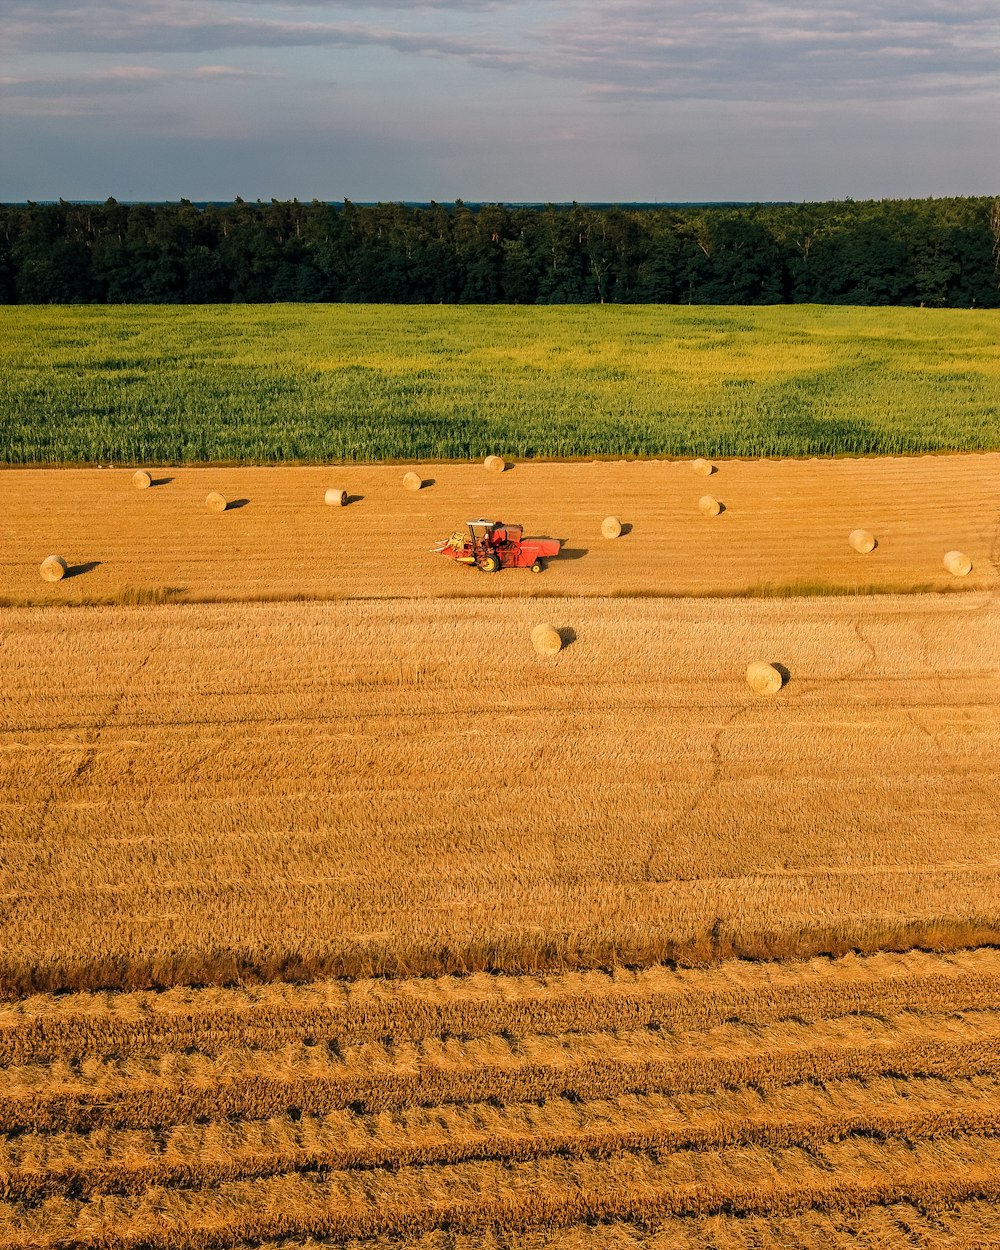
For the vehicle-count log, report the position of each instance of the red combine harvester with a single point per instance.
(493, 545)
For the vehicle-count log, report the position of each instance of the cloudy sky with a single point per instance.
(618, 100)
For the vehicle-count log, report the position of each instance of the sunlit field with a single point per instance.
(313, 383)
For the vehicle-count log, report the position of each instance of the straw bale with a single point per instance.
(546, 640)
(412, 481)
(495, 464)
(705, 468)
(216, 502)
(958, 563)
(862, 541)
(611, 527)
(53, 568)
(764, 678)
(708, 505)
(141, 479)
(336, 498)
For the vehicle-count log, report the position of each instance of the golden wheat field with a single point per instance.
(350, 921)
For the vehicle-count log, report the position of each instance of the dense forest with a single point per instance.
(938, 253)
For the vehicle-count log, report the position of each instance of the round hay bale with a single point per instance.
(958, 564)
(412, 481)
(611, 527)
(495, 464)
(141, 479)
(546, 640)
(216, 502)
(763, 678)
(708, 505)
(862, 541)
(53, 568)
(704, 468)
(336, 498)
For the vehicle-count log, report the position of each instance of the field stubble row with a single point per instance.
(789, 1120)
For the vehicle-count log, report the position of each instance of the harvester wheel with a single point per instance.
(489, 564)
(536, 567)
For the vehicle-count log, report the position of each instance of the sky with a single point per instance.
(498, 100)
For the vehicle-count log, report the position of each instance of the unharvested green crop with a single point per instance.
(312, 383)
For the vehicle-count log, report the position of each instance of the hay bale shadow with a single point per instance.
(77, 570)
(353, 499)
(160, 481)
(427, 482)
(786, 675)
(722, 508)
(236, 503)
(567, 634)
(626, 528)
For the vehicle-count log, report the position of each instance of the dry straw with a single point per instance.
(764, 678)
(336, 498)
(611, 527)
(216, 502)
(412, 481)
(53, 568)
(862, 541)
(495, 464)
(708, 505)
(958, 563)
(546, 640)
(703, 467)
(141, 479)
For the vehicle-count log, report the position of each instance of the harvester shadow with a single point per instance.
(160, 481)
(568, 635)
(236, 503)
(75, 570)
(572, 553)
(786, 675)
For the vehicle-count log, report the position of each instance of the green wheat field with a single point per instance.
(302, 383)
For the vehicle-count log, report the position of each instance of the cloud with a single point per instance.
(617, 50)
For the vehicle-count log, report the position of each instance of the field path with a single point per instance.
(785, 525)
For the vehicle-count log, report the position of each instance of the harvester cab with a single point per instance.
(495, 545)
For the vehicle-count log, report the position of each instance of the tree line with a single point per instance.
(939, 253)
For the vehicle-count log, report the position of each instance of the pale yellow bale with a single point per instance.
(763, 678)
(958, 563)
(862, 541)
(412, 481)
(495, 464)
(546, 640)
(704, 468)
(53, 568)
(215, 502)
(611, 527)
(708, 505)
(336, 498)
(141, 479)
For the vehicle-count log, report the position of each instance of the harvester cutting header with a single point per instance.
(494, 545)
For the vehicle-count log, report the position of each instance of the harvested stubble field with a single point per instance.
(263, 790)
(784, 529)
(846, 1102)
(630, 912)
